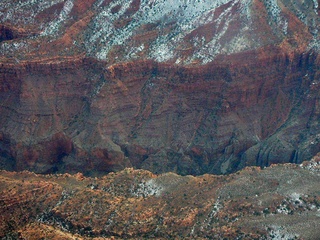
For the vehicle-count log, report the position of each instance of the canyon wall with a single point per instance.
(85, 115)
(191, 87)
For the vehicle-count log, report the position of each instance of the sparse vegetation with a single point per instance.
(100, 72)
(133, 203)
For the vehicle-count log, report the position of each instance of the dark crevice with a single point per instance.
(7, 33)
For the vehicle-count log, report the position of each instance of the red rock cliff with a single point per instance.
(85, 115)
(191, 88)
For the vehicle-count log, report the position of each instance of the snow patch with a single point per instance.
(162, 52)
(10, 47)
(210, 50)
(217, 206)
(279, 232)
(148, 188)
(284, 209)
(27, 10)
(315, 3)
(295, 197)
(246, 8)
(66, 10)
(312, 165)
(315, 44)
(274, 11)
(187, 15)
(134, 51)
(54, 26)
(273, 8)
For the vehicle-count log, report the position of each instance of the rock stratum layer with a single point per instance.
(191, 87)
(279, 202)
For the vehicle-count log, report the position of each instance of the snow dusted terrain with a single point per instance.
(181, 31)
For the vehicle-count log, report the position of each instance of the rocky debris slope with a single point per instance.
(185, 86)
(281, 201)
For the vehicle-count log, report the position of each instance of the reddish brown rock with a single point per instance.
(23, 200)
(136, 204)
(217, 118)
(193, 87)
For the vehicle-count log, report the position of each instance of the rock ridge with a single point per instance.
(136, 204)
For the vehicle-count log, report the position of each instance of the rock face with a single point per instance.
(273, 203)
(191, 87)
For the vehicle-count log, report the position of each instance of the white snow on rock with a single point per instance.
(279, 232)
(315, 3)
(53, 27)
(172, 21)
(275, 11)
(312, 165)
(9, 10)
(212, 216)
(295, 197)
(187, 14)
(148, 188)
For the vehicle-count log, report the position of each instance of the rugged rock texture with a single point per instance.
(191, 87)
(178, 31)
(279, 202)
(82, 115)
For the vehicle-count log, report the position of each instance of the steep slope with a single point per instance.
(186, 86)
(279, 202)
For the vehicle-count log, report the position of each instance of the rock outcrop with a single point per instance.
(281, 201)
(83, 115)
(191, 87)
